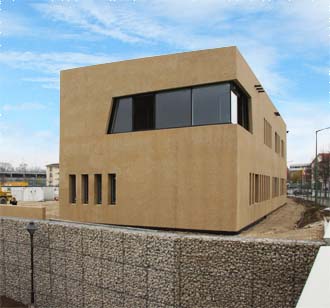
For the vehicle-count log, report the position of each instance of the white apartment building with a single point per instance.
(53, 175)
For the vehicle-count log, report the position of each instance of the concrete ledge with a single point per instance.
(35, 212)
(316, 290)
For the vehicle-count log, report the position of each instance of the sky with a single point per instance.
(286, 43)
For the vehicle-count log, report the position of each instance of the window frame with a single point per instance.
(234, 86)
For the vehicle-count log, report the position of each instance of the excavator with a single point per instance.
(5, 196)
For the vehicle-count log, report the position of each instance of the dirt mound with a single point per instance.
(297, 220)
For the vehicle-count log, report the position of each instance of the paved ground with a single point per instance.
(279, 224)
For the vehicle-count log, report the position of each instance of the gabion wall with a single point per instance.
(79, 265)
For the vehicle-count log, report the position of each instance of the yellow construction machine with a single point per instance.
(5, 196)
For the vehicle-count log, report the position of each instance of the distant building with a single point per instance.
(298, 167)
(300, 173)
(53, 175)
(33, 178)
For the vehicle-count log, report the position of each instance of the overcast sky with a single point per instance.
(285, 42)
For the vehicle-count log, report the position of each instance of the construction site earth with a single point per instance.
(297, 220)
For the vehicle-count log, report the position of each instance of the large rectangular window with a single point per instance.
(112, 188)
(211, 104)
(84, 188)
(143, 112)
(72, 189)
(200, 105)
(98, 188)
(173, 108)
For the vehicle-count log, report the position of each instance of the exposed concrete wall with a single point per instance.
(36, 212)
(185, 178)
(99, 267)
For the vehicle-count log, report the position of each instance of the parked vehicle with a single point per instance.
(5, 196)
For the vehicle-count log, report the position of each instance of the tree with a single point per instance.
(307, 174)
(296, 176)
(22, 167)
(324, 170)
(6, 167)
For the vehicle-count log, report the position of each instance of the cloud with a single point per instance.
(36, 149)
(191, 25)
(306, 21)
(11, 25)
(90, 16)
(270, 34)
(302, 120)
(46, 82)
(50, 63)
(23, 107)
(319, 69)
(43, 134)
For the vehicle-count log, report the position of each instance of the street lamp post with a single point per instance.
(31, 228)
(316, 161)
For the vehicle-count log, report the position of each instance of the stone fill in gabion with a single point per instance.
(82, 265)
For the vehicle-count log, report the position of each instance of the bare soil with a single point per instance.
(297, 220)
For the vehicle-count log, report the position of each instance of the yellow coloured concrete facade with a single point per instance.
(187, 178)
(33, 212)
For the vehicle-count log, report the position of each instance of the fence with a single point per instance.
(306, 193)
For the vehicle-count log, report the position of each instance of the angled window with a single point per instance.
(211, 104)
(221, 103)
(121, 117)
(173, 108)
(143, 112)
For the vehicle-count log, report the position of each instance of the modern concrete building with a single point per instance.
(187, 141)
(53, 175)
